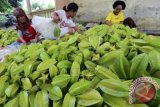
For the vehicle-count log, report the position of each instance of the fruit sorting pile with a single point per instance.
(93, 69)
(7, 37)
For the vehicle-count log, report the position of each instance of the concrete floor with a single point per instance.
(152, 32)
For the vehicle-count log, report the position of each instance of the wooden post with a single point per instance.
(29, 6)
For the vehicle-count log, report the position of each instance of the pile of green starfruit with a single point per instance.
(93, 69)
(7, 37)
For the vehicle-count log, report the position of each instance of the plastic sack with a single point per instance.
(8, 50)
(46, 27)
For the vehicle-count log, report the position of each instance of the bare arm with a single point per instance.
(36, 38)
(23, 41)
(20, 37)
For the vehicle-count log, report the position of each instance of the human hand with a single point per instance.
(71, 30)
(76, 29)
(38, 34)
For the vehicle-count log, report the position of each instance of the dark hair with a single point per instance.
(71, 7)
(118, 2)
(21, 26)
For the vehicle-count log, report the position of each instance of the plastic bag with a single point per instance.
(8, 50)
(46, 27)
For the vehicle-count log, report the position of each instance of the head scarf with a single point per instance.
(21, 26)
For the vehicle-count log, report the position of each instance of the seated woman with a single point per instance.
(117, 16)
(26, 31)
(64, 18)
